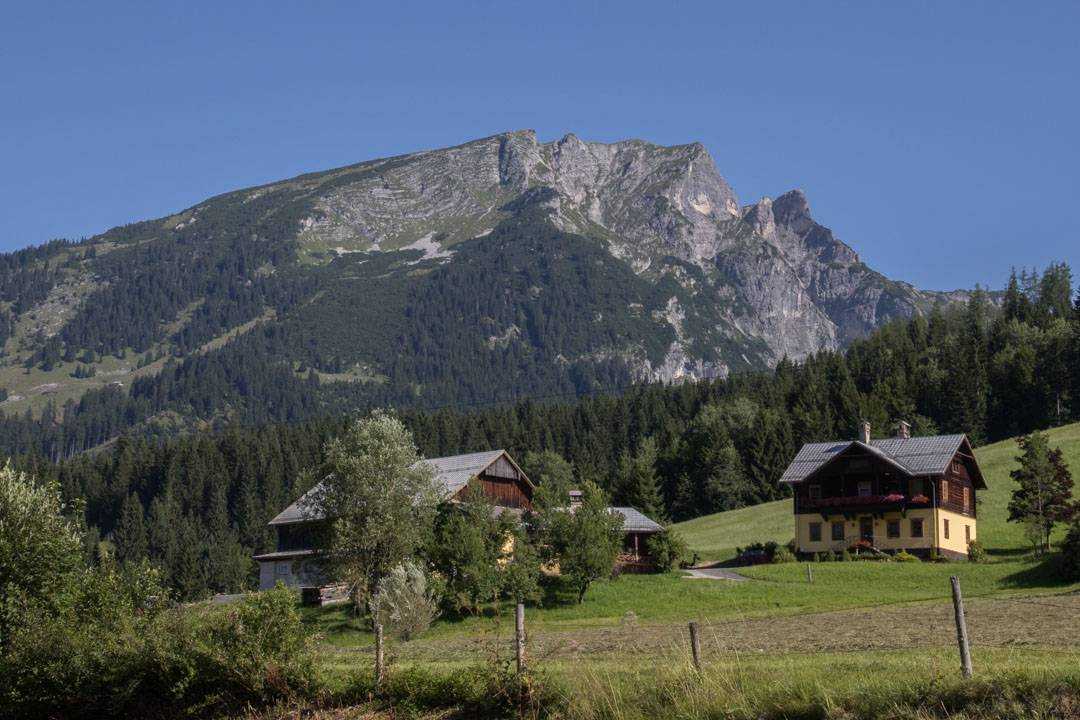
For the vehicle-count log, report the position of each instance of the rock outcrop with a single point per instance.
(769, 270)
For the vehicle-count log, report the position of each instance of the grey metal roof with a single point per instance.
(454, 472)
(914, 456)
(634, 521)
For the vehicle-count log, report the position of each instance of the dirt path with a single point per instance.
(715, 574)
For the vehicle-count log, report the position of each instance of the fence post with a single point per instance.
(380, 666)
(961, 627)
(519, 631)
(695, 645)
(809, 574)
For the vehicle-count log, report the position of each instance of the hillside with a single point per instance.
(716, 536)
(495, 270)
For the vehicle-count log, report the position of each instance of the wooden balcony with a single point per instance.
(849, 504)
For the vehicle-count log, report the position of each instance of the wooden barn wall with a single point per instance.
(506, 492)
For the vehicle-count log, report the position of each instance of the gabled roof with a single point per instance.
(453, 472)
(635, 521)
(915, 456)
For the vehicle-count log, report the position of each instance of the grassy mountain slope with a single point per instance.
(716, 536)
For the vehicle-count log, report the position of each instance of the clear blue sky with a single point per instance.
(941, 140)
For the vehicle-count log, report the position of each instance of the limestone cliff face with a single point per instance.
(765, 277)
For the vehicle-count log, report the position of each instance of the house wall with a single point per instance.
(957, 541)
(852, 531)
(294, 573)
(954, 546)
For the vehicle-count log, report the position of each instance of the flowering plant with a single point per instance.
(894, 497)
(920, 498)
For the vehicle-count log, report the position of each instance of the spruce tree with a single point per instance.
(637, 482)
(130, 537)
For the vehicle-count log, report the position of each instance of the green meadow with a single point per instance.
(864, 639)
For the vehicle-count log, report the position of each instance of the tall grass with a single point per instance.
(864, 685)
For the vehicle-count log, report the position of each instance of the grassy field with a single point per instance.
(715, 537)
(865, 639)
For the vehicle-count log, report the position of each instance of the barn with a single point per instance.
(292, 562)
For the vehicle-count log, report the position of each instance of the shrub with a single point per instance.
(667, 549)
(783, 555)
(404, 603)
(828, 556)
(906, 557)
(110, 653)
(845, 556)
(976, 551)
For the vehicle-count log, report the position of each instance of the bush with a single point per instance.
(667, 549)
(783, 555)
(828, 556)
(905, 557)
(110, 653)
(976, 551)
(845, 556)
(404, 603)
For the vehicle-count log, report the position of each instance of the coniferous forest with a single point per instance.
(198, 504)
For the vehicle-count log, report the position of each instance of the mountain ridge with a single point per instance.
(568, 265)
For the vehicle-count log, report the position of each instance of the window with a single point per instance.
(815, 532)
(946, 528)
(815, 492)
(967, 533)
(864, 488)
(916, 527)
(892, 529)
(282, 568)
(944, 491)
(838, 531)
(956, 466)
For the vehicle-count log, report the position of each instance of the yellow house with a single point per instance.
(888, 494)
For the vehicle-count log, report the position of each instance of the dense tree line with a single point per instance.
(199, 504)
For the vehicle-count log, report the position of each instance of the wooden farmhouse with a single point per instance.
(293, 562)
(900, 493)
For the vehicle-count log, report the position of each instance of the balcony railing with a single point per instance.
(864, 500)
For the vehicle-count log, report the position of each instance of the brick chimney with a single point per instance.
(864, 431)
(903, 430)
(575, 498)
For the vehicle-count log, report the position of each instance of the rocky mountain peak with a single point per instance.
(761, 219)
(792, 210)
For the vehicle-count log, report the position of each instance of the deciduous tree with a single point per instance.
(1043, 497)
(380, 500)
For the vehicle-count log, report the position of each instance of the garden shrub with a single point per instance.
(404, 602)
(667, 549)
(905, 556)
(783, 555)
(976, 551)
